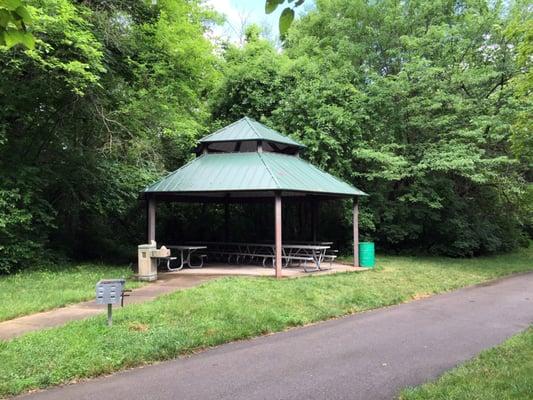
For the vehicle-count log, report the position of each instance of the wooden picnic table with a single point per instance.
(185, 256)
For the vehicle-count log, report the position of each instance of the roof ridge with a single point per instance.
(269, 170)
(247, 119)
(254, 130)
(221, 129)
(268, 128)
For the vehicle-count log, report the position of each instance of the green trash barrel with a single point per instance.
(367, 253)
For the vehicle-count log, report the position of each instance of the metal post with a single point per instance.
(355, 232)
(277, 231)
(109, 315)
(150, 218)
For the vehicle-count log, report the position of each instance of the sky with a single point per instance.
(240, 13)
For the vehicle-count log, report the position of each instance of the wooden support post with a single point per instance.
(259, 146)
(355, 232)
(277, 231)
(150, 218)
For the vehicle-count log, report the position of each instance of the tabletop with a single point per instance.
(186, 247)
(322, 246)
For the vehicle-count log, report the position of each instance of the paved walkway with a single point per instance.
(370, 355)
(168, 283)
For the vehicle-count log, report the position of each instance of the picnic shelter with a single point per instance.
(247, 161)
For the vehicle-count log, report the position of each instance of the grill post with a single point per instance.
(109, 314)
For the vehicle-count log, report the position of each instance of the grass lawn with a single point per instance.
(48, 287)
(504, 372)
(229, 309)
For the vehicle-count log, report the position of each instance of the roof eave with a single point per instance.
(266, 190)
(295, 144)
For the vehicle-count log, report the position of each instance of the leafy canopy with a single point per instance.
(414, 103)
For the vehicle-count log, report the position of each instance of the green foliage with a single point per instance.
(253, 81)
(424, 105)
(14, 18)
(412, 102)
(271, 5)
(520, 32)
(285, 21)
(225, 310)
(111, 97)
(287, 15)
(22, 215)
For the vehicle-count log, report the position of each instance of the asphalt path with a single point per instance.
(370, 355)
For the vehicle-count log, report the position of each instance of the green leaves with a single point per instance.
(23, 14)
(12, 37)
(111, 98)
(5, 17)
(391, 96)
(10, 4)
(412, 104)
(287, 15)
(285, 21)
(271, 5)
(14, 19)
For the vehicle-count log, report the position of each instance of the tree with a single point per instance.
(412, 102)
(520, 31)
(112, 96)
(253, 83)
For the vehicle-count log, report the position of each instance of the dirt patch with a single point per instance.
(418, 296)
(138, 327)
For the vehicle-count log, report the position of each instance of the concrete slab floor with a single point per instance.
(221, 269)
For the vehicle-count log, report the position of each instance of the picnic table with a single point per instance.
(240, 253)
(185, 256)
(302, 252)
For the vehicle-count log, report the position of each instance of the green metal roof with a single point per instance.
(266, 171)
(247, 129)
